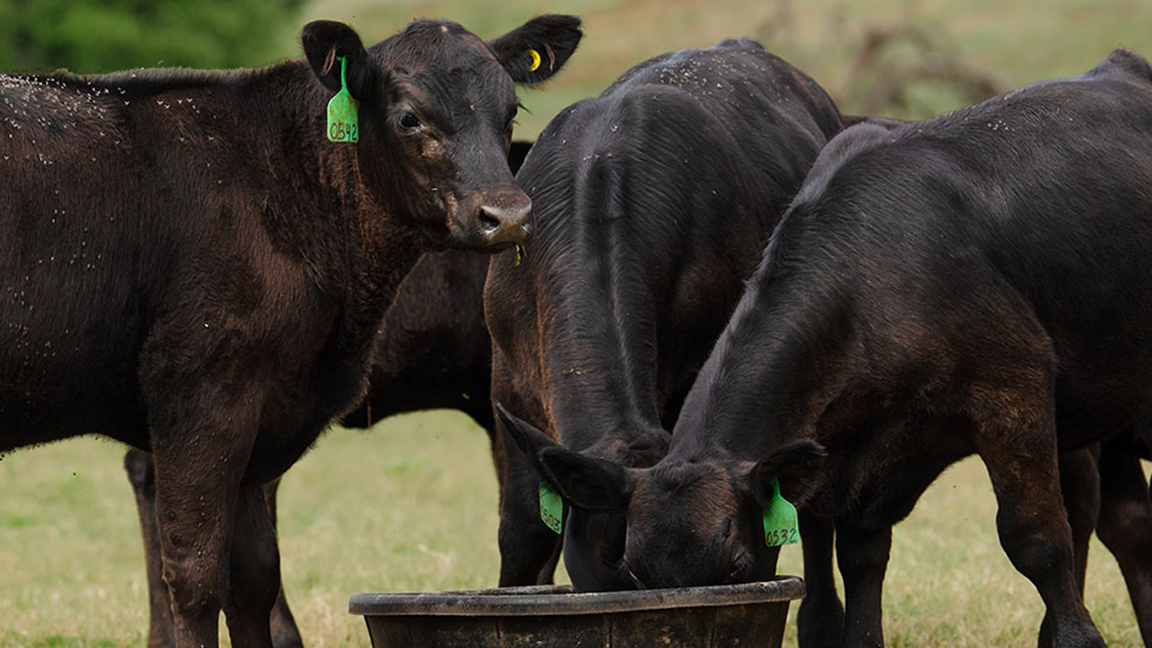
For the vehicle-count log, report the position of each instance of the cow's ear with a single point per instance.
(325, 41)
(529, 438)
(795, 465)
(586, 482)
(535, 51)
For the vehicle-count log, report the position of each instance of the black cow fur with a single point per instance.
(652, 203)
(976, 283)
(191, 267)
(432, 352)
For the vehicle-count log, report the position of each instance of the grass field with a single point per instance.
(411, 505)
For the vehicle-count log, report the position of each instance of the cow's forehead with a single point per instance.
(702, 492)
(451, 67)
(435, 45)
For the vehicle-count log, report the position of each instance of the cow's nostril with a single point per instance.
(504, 215)
(488, 220)
(502, 223)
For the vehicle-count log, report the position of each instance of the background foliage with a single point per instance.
(103, 35)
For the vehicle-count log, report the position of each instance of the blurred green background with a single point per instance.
(902, 58)
(411, 505)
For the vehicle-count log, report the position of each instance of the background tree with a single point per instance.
(103, 35)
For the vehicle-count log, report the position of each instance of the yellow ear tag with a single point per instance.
(535, 56)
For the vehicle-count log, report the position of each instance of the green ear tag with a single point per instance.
(780, 520)
(343, 123)
(551, 507)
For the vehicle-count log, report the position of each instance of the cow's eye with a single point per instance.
(410, 122)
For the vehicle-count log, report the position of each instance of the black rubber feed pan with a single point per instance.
(750, 614)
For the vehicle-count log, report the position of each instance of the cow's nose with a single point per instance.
(505, 222)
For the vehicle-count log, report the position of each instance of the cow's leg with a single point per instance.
(285, 634)
(202, 437)
(1080, 487)
(862, 555)
(1018, 446)
(821, 617)
(1125, 527)
(254, 571)
(138, 464)
(529, 550)
(194, 518)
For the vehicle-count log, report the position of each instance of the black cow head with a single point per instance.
(687, 523)
(593, 537)
(436, 108)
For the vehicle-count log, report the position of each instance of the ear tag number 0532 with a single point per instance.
(343, 121)
(780, 520)
(551, 507)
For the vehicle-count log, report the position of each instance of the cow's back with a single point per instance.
(1035, 202)
(128, 204)
(78, 240)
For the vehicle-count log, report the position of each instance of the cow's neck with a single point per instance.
(599, 365)
(354, 241)
(781, 370)
(592, 400)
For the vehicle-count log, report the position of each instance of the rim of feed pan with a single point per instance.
(542, 600)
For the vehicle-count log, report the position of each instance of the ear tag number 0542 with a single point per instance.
(551, 507)
(343, 121)
(780, 520)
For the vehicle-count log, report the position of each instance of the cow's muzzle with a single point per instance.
(503, 219)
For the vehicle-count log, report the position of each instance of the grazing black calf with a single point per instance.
(975, 283)
(652, 204)
(190, 265)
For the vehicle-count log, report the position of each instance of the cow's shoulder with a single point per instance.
(838, 152)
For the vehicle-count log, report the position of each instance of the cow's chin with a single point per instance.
(472, 240)
(471, 235)
(440, 235)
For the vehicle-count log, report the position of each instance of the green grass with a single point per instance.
(411, 506)
(408, 507)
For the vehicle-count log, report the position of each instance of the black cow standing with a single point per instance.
(652, 204)
(976, 283)
(432, 351)
(191, 267)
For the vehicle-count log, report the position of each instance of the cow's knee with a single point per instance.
(194, 588)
